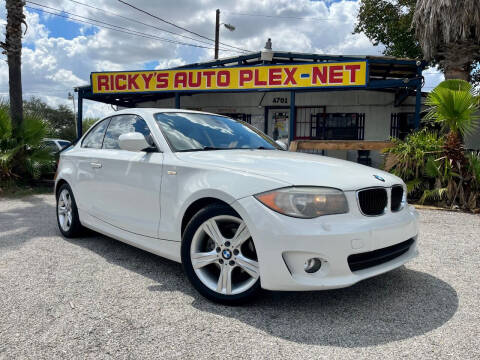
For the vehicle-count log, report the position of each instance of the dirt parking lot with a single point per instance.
(95, 297)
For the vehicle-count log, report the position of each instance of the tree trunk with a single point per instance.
(13, 49)
(457, 63)
(456, 72)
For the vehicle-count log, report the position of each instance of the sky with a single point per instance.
(60, 52)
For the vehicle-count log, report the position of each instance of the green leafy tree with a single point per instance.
(88, 123)
(391, 23)
(60, 121)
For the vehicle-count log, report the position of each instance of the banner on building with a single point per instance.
(315, 75)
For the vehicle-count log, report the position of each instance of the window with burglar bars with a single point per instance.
(402, 124)
(337, 126)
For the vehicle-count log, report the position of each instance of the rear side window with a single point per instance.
(122, 124)
(64, 143)
(94, 138)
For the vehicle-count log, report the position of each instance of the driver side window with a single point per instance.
(122, 124)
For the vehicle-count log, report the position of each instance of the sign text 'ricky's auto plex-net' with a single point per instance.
(341, 74)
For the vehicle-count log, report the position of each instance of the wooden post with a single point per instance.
(80, 116)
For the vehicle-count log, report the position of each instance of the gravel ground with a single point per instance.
(95, 297)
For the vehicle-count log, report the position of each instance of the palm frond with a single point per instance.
(455, 110)
(33, 130)
(439, 23)
(433, 195)
(415, 185)
(474, 167)
(432, 169)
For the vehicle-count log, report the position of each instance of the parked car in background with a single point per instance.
(235, 209)
(55, 145)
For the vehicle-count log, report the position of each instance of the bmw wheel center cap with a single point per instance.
(227, 254)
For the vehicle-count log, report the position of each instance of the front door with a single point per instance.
(279, 124)
(128, 183)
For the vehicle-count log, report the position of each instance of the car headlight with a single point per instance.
(305, 202)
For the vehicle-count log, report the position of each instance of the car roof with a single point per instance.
(51, 139)
(152, 111)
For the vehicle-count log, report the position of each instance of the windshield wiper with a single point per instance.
(207, 148)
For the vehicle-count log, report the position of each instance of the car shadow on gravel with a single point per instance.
(401, 304)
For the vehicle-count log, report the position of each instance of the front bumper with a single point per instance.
(284, 243)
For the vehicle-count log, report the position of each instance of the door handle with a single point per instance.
(95, 165)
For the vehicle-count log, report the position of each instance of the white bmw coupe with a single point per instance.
(237, 210)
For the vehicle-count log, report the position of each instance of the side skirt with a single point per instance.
(165, 248)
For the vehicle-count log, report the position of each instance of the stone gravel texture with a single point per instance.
(97, 298)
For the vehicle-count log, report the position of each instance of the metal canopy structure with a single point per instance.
(401, 76)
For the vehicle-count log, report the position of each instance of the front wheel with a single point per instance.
(219, 256)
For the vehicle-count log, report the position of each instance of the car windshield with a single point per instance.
(196, 132)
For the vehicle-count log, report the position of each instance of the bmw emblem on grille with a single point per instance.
(379, 178)
(226, 254)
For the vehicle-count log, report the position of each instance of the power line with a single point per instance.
(179, 27)
(138, 22)
(119, 28)
(280, 16)
(102, 22)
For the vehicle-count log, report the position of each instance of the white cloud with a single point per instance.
(52, 65)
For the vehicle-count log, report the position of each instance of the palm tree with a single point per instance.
(449, 33)
(454, 105)
(12, 47)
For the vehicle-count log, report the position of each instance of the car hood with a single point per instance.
(294, 168)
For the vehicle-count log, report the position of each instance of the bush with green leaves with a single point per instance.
(22, 156)
(435, 167)
(407, 158)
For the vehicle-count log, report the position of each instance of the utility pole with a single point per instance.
(217, 32)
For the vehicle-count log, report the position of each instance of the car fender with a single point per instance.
(191, 184)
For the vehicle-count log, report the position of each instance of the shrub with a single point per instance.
(23, 157)
(408, 158)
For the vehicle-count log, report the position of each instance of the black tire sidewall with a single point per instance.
(197, 220)
(76, 227)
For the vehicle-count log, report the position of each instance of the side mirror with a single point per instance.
(133, 141)
(281, 144)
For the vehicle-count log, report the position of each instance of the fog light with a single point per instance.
(312, 265)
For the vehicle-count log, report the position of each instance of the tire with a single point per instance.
(219, 256)
(67, 213)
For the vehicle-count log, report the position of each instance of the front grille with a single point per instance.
(373, 258)
(397, 195)
(372, 202)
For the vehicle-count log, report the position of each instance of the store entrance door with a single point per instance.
(279, 124)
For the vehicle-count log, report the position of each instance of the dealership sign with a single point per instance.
(234, 78)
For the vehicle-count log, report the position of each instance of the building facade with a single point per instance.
(289, 96)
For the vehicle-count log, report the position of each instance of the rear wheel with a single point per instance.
(67, 212)
(219, 256)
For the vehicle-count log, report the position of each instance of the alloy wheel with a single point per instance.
(64, 210)
(223, 255)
